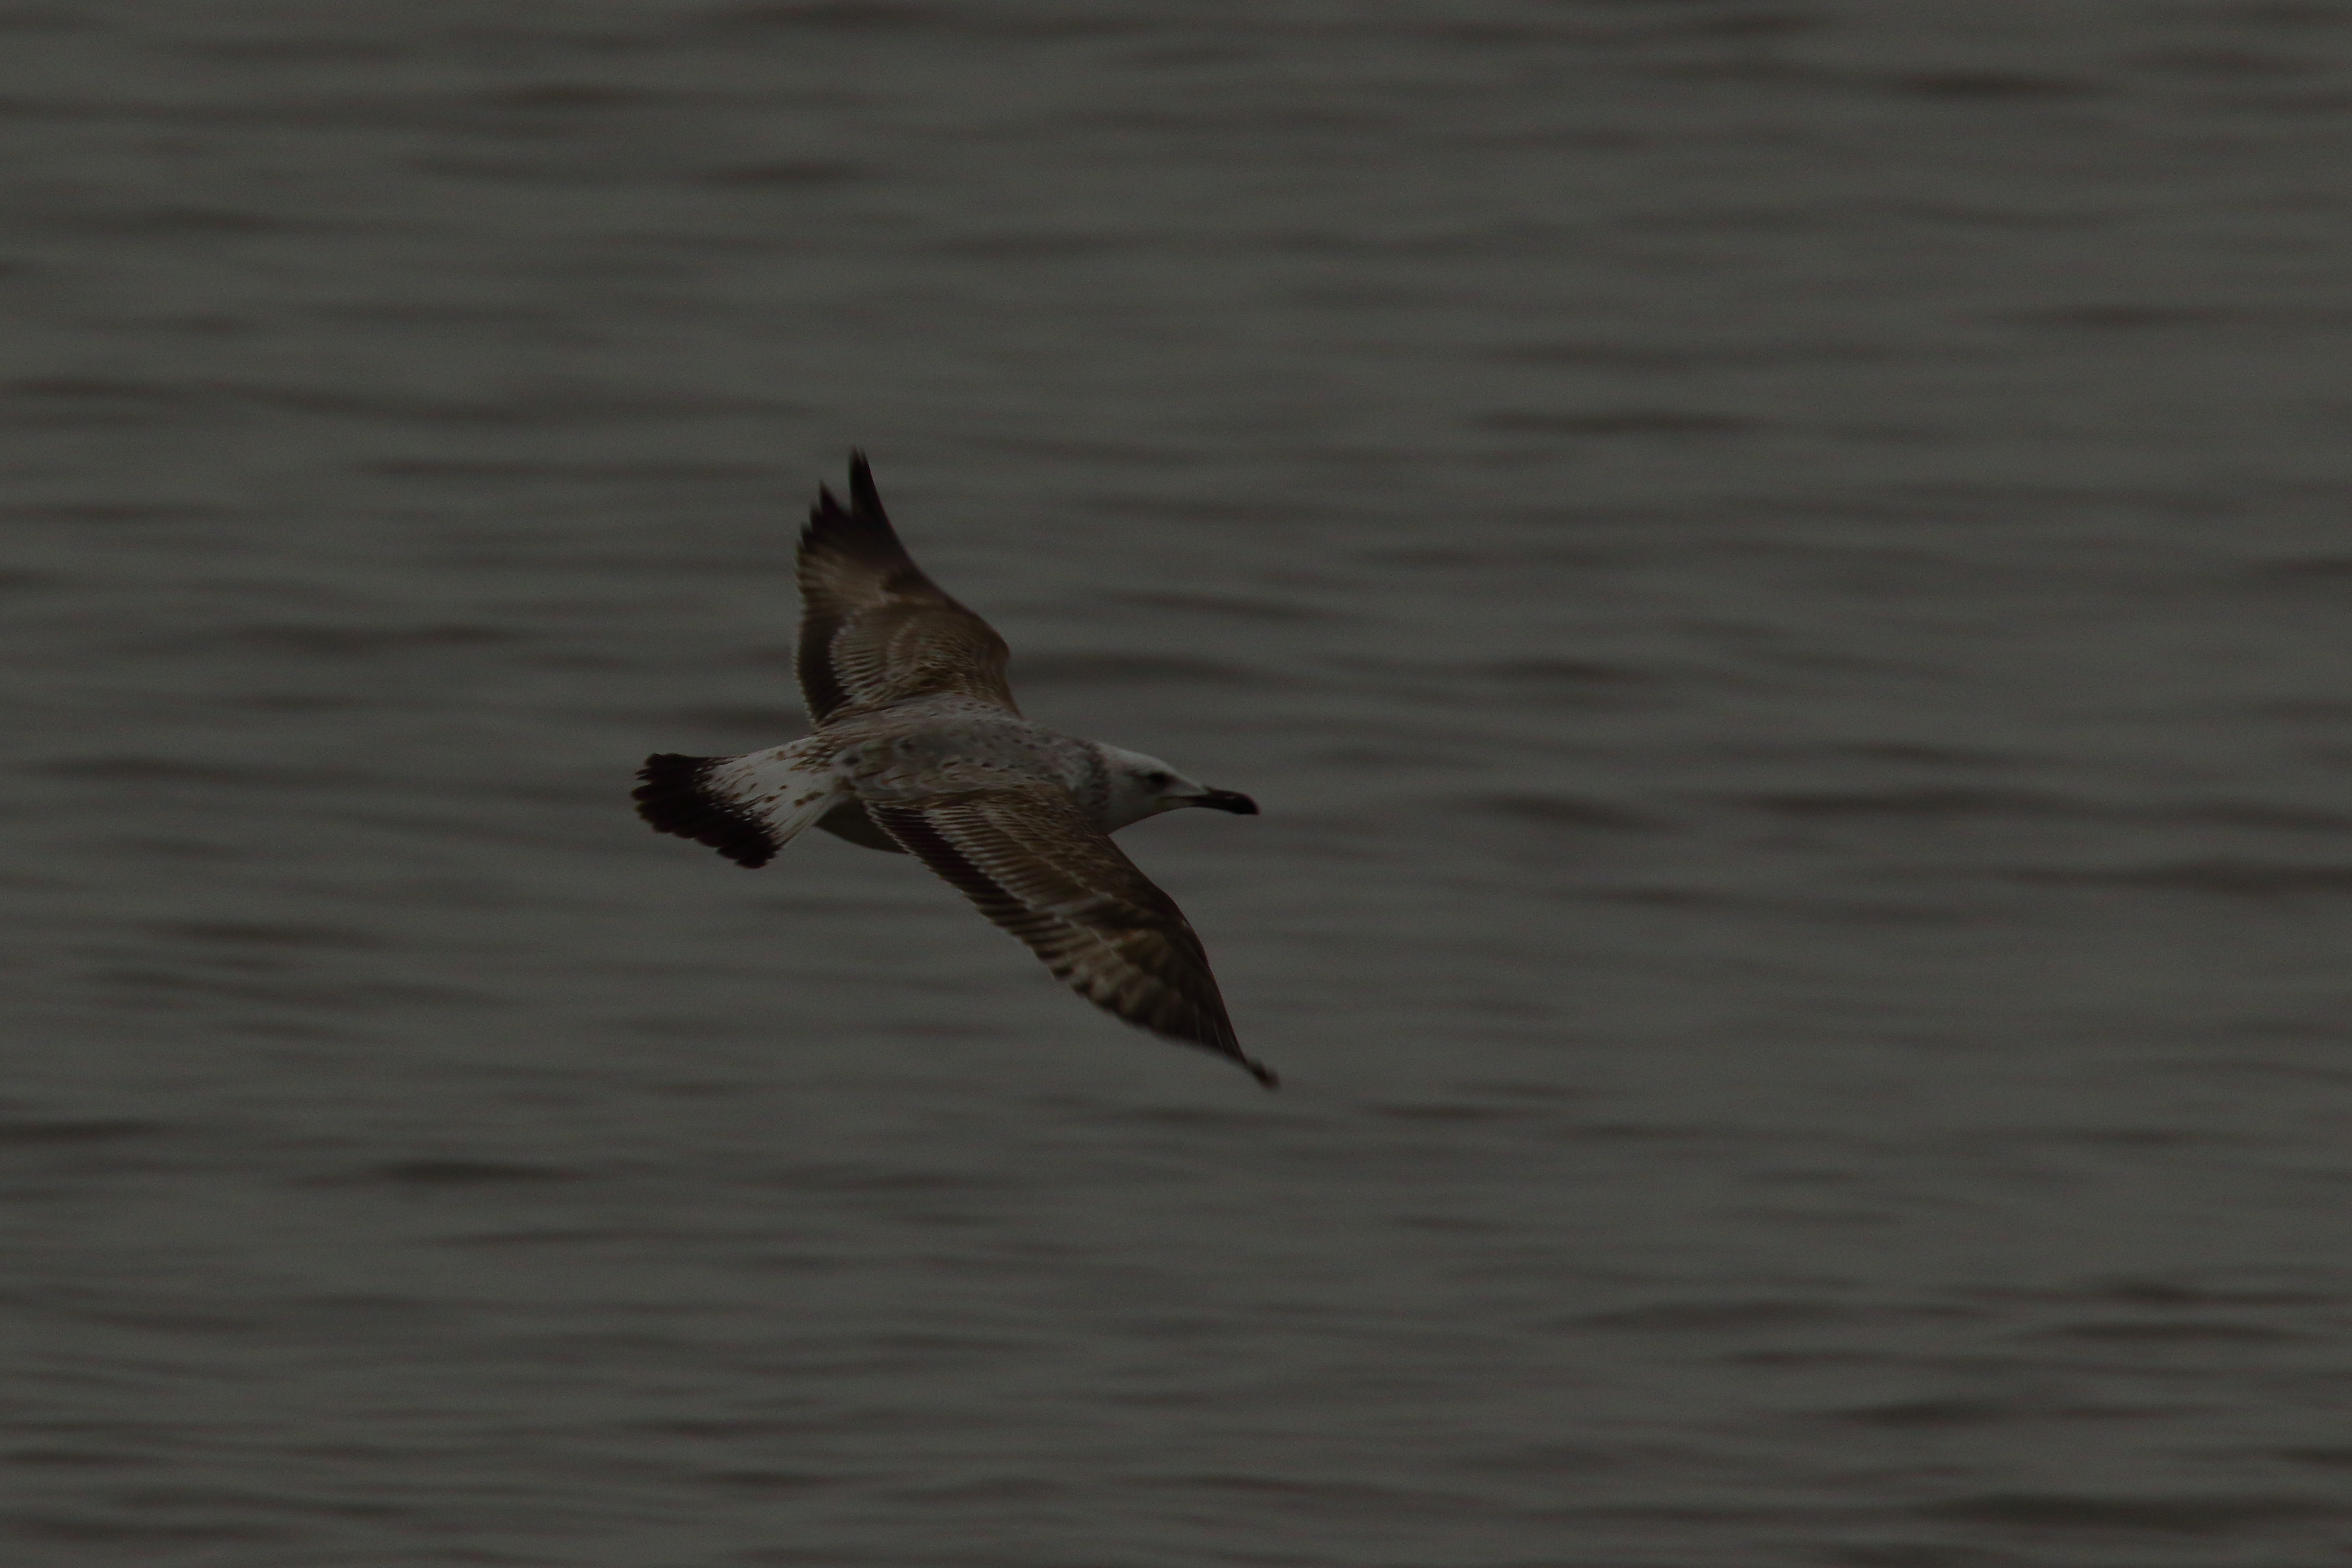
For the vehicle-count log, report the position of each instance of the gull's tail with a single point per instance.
(745, 807)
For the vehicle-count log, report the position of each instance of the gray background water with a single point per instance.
(1779, 569)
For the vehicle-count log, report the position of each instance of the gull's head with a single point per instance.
(1143, 786)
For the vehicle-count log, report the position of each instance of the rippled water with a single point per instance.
(1779, 570)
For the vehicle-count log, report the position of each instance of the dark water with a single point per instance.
(1780, 570)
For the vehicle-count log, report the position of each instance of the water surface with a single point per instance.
(1778, 571)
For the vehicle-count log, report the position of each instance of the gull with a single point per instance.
(918, 748)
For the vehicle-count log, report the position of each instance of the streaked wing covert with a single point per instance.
(874, 629)
(1034, 863)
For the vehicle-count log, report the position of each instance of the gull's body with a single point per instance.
(919, 749)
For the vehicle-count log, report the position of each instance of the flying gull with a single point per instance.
(919, 749)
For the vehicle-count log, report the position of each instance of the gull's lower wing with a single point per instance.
(1034, 864)
(874, 629)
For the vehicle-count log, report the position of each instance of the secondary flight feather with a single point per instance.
(921, 749)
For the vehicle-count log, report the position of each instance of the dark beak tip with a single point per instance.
(1233, 801)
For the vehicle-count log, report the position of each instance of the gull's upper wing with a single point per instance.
(874, 629)
(1037, 866)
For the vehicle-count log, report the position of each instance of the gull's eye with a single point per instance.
(1159, 781)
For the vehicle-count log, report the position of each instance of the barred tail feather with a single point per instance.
(674, 798)
(745, 807)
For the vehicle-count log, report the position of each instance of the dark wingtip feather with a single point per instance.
(674, 799)
(1219, 1038)
(862, 493)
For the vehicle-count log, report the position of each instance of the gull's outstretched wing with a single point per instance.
(874, 629)
(1039, 867)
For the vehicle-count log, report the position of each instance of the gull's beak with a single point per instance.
(1233, 801)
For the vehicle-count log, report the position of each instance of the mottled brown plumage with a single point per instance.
(919, 749)
(1028, 857)
(874, 629)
